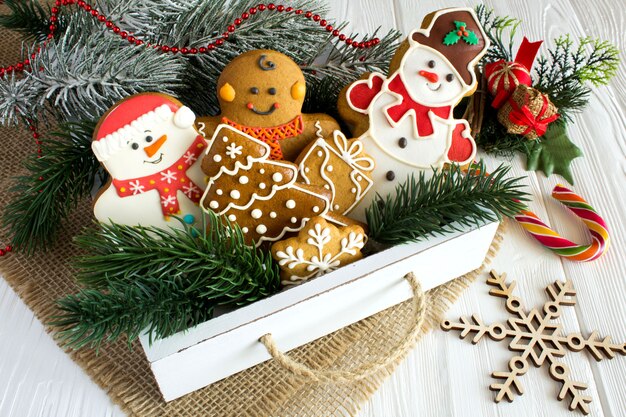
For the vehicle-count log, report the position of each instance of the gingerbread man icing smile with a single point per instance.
(261, 93)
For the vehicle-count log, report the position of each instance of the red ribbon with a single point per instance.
(527, 52)
(522, 116)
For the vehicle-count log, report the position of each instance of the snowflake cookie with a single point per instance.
(319, 248)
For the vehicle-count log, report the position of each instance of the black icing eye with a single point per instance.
(272, 91)
(449, 78)
(148, 138)
(431, 64)
(135, 146)
(254, 90)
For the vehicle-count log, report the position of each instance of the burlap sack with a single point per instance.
(265, 390)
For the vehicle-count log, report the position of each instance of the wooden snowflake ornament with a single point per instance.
(319, 248)
(538, 340)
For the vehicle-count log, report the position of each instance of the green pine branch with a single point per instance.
(446, 202)
(494, 139)
(162, 281)
(565, 72)
(496, 27)
(55, 183)
(31, 19)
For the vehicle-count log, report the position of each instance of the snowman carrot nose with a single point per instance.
(152, 149)
(430, 76)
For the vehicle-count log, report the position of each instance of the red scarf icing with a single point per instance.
(168, 181)
(423, 122)
(271, 135)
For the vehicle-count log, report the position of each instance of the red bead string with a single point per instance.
(25, 65)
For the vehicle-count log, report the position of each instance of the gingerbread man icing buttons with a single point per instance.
(339, 165)
(257, 193)
(319, 248)
(148, 144)
(405, 120)
(261, 93)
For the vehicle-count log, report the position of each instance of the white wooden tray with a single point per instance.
(229, 343)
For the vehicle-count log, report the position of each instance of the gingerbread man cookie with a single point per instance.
(319, 248)
(339, 165)
(261, 93)
(259, 194)
(405, 119)
(148, 144)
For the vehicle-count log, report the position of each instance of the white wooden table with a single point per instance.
(443, 376)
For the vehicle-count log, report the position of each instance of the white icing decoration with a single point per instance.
(336, 207)
(217, 157)
(306, 169)
(219, 192)
(214, 204)
(290, 204)
(315, 209)
(329, 168)
(201, 127)
(322, 261)
(320, 153)
(353, 190)
(233, 150)
(262, 185)
(225, 138)
(235, 194)
(243, 179)
(261, 171)
(232, 217)
(261, 229)
(256, 214)
(184, 117)
(244, 229)
(318, 130)
(273, 214)
(293, 220)
(277, 177)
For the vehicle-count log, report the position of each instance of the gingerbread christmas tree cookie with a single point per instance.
(257, 193)
(261, 93)
(405, 119)
(319, 248)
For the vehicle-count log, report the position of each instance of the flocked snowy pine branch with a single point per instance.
(88, 68)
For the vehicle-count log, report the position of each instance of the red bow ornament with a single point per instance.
(528, 112)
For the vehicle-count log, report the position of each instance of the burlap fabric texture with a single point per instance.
(265, 390)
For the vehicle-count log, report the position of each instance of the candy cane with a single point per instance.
(564, 247)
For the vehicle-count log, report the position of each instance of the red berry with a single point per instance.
(261, 7)
(299, 11)
(271, 6)
(289, 9)
(8, 248)
(317, 17)
(20, 67)
(193, 51)
(231, 28)
(219, 42)
(308, 15)
(174, 49)
(335, 32)
(87, 7)
(131, 39)
(280, 8)
(53, 18)
(184, 50)
(94, 13)
(238, 21)
(349, 41)
(329, 28)
(109, 24)
(165, 48)
(102, 18)
(116, 29)
(323, 22)
(2, 253)
(123, 34)
(202, 50)
(211, 46)
(245, 15)
(252, 10)
(342, 37)
(54, 10)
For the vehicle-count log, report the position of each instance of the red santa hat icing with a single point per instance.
(134, 115)
(458, 35)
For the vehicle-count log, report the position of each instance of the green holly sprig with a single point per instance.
(460, 32)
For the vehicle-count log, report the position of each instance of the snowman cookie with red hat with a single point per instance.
(405, 119)
(148, 144)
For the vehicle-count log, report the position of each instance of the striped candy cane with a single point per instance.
(564, 247)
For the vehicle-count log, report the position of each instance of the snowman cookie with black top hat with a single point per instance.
(405, 119)
(148, 144)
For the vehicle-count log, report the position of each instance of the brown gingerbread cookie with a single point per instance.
(319, 248)
(339, 165)
(261, 93)
(259, 194)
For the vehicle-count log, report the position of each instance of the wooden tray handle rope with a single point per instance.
(366, 370)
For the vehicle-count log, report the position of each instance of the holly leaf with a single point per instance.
(451, 38)
(471, 38)
(554, 153)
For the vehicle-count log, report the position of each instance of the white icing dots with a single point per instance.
(217, 158)
(235, 194)
(273, 214)
(315, 209)
(306, 169)
(329, 168)
(353, 190)
(327, 186)
(244, 229)
(320, 153)
(293, 220)
(219, 191)
(261, 171)
(359, 178)
(336, 207)
(261, 229)
(243, 179)
(290, 204)
(277, 177)
(232, 217)
(214, 204)
(225, 139)
(256, 214)
(262, 185)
